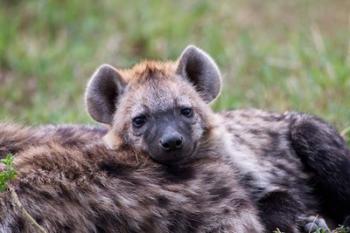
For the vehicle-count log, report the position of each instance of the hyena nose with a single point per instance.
(171, 142)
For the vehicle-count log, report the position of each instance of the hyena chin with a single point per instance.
(160, 109)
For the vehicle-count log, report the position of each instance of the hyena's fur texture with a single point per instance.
(270, 169)
(289, 163)
(264, 147)
(93, 189)
(325, 153)
(15, 138)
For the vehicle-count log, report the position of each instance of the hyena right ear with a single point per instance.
(200, 69)
(102, 93)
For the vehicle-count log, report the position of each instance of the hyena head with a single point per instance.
(160, 108)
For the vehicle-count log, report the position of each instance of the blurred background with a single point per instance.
(276, 55)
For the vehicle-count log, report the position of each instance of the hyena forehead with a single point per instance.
(156, 92)
(145, 70)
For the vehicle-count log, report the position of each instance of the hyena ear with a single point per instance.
(201, 70)
(103, 90)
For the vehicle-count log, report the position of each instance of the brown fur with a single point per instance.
(255, 143)
(145, 69)
(16, 138)
(93, 189)
(244, 147)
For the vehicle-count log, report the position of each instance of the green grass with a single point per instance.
(275, 55)
(8, 172)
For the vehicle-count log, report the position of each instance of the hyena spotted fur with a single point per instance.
(161, 109)
(89, 188)
(15, 138)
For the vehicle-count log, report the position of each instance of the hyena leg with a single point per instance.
(279, 210)
(325, 153)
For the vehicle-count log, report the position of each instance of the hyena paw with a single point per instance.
(315, 224)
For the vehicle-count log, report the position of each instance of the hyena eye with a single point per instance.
(139, 121)
(187, 112)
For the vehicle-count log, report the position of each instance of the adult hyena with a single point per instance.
(161, 109)
(93, 189)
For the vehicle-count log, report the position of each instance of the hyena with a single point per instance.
(89, 188)
(161, 109)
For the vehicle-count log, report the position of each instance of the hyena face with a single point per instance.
(158, 108)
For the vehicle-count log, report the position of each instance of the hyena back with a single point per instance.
(93, 189)
(161, 109)
(292, 151)
(15, 138)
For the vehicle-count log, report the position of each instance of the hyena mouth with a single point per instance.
(176, 157)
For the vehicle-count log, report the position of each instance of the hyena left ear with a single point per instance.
(102, 93)
(201, 70)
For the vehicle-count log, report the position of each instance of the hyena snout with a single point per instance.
(171, 141)
(170, 145)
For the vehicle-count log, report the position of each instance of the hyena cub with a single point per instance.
(161, 109)
(79, 189)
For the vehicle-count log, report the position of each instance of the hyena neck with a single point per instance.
(217, 143)
(113, 141)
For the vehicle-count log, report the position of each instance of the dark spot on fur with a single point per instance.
(273, 134)
(98, 130)
(256, 191)
(242, 204)
(273, 117)
(247, 178)
(177, 174)
(195, 221)
(116, 169)
(109, 221)
(65, 132)
(239, 138)
(286, 167)
(39, 219)
(280, 211)
(209, 177)
(275, 143)
(148, 224)
(18, 224)
(255, 132)
(46, 195)
(162, 201)
(70, 143)
(219, 193)
(185, 222)
(68, 228)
